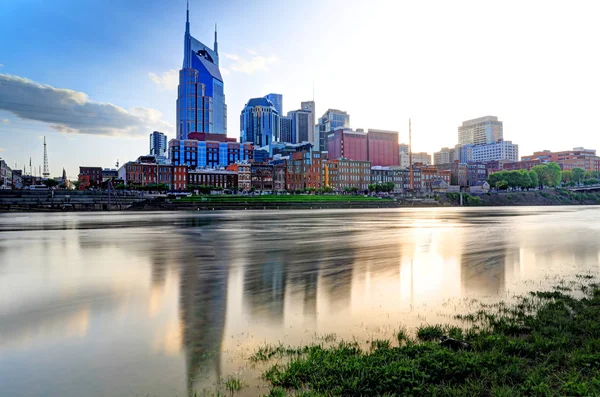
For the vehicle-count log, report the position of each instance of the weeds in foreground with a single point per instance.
(233, 383)
(547, 343)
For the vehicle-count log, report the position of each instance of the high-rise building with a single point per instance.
(309, 106)
(501, 150)
(329, 122)
(158, 144)
(382, 147)
(483, 130)
(259, 122)
(404, 148)
(444, 156)
(285, 129)
(201, 99)
(277, 101)
(301, 125)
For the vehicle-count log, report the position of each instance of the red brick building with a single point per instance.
(243, 171)
(208, 177)
(180, 178)
(568, 159)
(383, 148)
(89, 177)
(342, 174)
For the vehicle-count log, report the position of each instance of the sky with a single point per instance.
(97, 77)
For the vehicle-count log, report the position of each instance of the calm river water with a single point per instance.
(160, 304)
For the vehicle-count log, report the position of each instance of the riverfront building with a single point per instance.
(208, 150)
(417, 157)
(259, 122)
(379, 147)
(342, 174)
(200, 95)
(568, 159)
(483, 130)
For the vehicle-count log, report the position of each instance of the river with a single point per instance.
(160, 304)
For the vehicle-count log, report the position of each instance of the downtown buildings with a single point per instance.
(158, 144)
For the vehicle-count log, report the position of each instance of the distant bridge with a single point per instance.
(589, 188)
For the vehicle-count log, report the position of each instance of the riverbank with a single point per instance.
(546, 343)
(548, 197)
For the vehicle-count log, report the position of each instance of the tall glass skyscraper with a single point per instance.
(277, 100)
(259, 122)
(158, 144)
(200, 96)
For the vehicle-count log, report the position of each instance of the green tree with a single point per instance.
(371, 187)
(542, 174)
(523, 179)
(533, 177)
(554, 174)
(567, 176)
(578, 175)
(51, 183)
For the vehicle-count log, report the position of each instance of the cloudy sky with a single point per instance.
(96, 77)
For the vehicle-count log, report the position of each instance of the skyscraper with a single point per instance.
(158, 144)
(309, 106)
(277, 101)
(201, 99)
(483, 130)
(259, 122)
(301, 125)
(285, 129)
(331, 120)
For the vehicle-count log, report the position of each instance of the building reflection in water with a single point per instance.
(203, 306)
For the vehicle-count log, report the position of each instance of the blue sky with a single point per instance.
(533, 65)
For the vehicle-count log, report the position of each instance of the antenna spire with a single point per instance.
(216, 43)
(46, 173)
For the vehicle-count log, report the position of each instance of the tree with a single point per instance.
(51, 183)
(578, 175)
(554, 174)
(542, 172)
(533, 177)
(523, 179)
(371, 187)
(567, 176)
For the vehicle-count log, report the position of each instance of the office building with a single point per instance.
(501, 150)
(483, 130)
(207, 151)
(309, 106)
(568, 159)
(277, 101)
(383, 148)
(444, 156)
(348, 144)
(223, 179)
(285, 129)
(423, 158)
(158, 144)
(302, 127)
(331, 120)
(259, 122)
(404, 148)
(201, 99)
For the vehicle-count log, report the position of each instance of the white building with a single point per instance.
(483, 130)
(418, 157)
(444, 156)
(501, 150)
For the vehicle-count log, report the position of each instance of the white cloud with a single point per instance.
(72, 112)
(168, 80)
(250, 65)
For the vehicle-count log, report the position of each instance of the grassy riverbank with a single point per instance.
(279, 199)
(546, 343)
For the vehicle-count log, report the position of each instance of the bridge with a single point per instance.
(590, 188)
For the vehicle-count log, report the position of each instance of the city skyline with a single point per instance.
(539, 84)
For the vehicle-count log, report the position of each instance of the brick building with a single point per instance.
(567, 160)
(89, 177)
(210, 177)
(343, 173)
(261, 176)
(243, 171)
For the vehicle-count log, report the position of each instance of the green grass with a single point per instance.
(544, 344)
(276, 199)
(233, 384)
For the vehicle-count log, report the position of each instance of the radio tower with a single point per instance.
(46, 173)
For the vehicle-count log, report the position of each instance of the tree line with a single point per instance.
(549, 175)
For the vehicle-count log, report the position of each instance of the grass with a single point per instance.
(543, 344)
(276, 199)
(233, 384)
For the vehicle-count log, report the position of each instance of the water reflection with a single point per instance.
(169, 303)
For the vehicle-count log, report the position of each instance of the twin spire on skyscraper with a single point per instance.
(187, 46)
